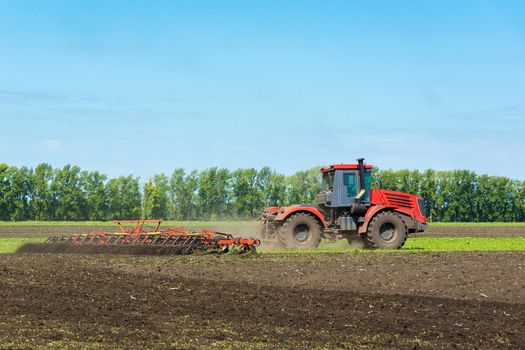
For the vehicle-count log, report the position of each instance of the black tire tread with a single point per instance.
(371, 228)
(286, 226)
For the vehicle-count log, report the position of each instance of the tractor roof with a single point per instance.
(344, 167)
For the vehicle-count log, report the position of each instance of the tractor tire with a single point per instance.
(387, 230)
(358, 242)
(300, 231)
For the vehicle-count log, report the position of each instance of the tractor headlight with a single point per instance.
(421, 206)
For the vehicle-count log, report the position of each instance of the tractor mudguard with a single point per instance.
(285, 212)
(368, 216)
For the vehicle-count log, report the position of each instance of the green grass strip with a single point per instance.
(10, 245)
(424, 244)
(465, 244)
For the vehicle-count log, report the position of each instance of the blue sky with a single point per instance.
(141, 87)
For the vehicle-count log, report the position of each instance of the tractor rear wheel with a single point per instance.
(300, 231)
(387, 230)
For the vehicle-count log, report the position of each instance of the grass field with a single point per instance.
(418, 244)
(9, 245)
(435, 244)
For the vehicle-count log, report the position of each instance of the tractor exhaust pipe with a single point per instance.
(361, 167)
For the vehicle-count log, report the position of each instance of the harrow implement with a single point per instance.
(137, 237)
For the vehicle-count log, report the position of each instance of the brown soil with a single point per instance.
(480, 231)
(300, 301)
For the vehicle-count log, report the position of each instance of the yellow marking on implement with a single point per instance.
(131, 233)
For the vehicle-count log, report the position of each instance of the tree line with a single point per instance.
(68, 193)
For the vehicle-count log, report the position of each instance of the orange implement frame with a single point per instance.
(137, 226)
(175, 240)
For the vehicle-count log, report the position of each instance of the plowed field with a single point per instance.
(296, 301)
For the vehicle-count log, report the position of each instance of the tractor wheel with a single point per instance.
(387, 230)
(358, 242)
(300, 231)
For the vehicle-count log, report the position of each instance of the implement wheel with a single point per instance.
(386, 231)
(300, 231)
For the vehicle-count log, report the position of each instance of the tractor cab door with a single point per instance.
(346, 187)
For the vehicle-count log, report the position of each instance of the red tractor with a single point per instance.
(347, 208)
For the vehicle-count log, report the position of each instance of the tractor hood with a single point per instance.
(403, 202)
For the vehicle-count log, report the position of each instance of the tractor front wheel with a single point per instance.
(387, 230)
(300, 231)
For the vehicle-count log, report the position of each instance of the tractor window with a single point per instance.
(368, 184)
(328, 181)
(349, 181)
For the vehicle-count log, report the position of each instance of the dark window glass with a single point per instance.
(368, 184)
(349, 180)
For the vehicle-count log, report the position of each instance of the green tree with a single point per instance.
(214, 194)
(246, 196)
(429, 190)
(389, 180)
(156, 198)
(487, 198)
(461, 195)
(271, 187)
(4, 189)
(17, 194)
(303, 186)
(42, 202)
(66, 189)
(183, 194)
(94, 185)
(520, 198)
(124, 198)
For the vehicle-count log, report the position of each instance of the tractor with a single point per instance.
(347, 208)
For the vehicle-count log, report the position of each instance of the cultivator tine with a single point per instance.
(134, 242)
(155, 240)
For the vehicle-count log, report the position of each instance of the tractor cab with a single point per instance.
(343, 185)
